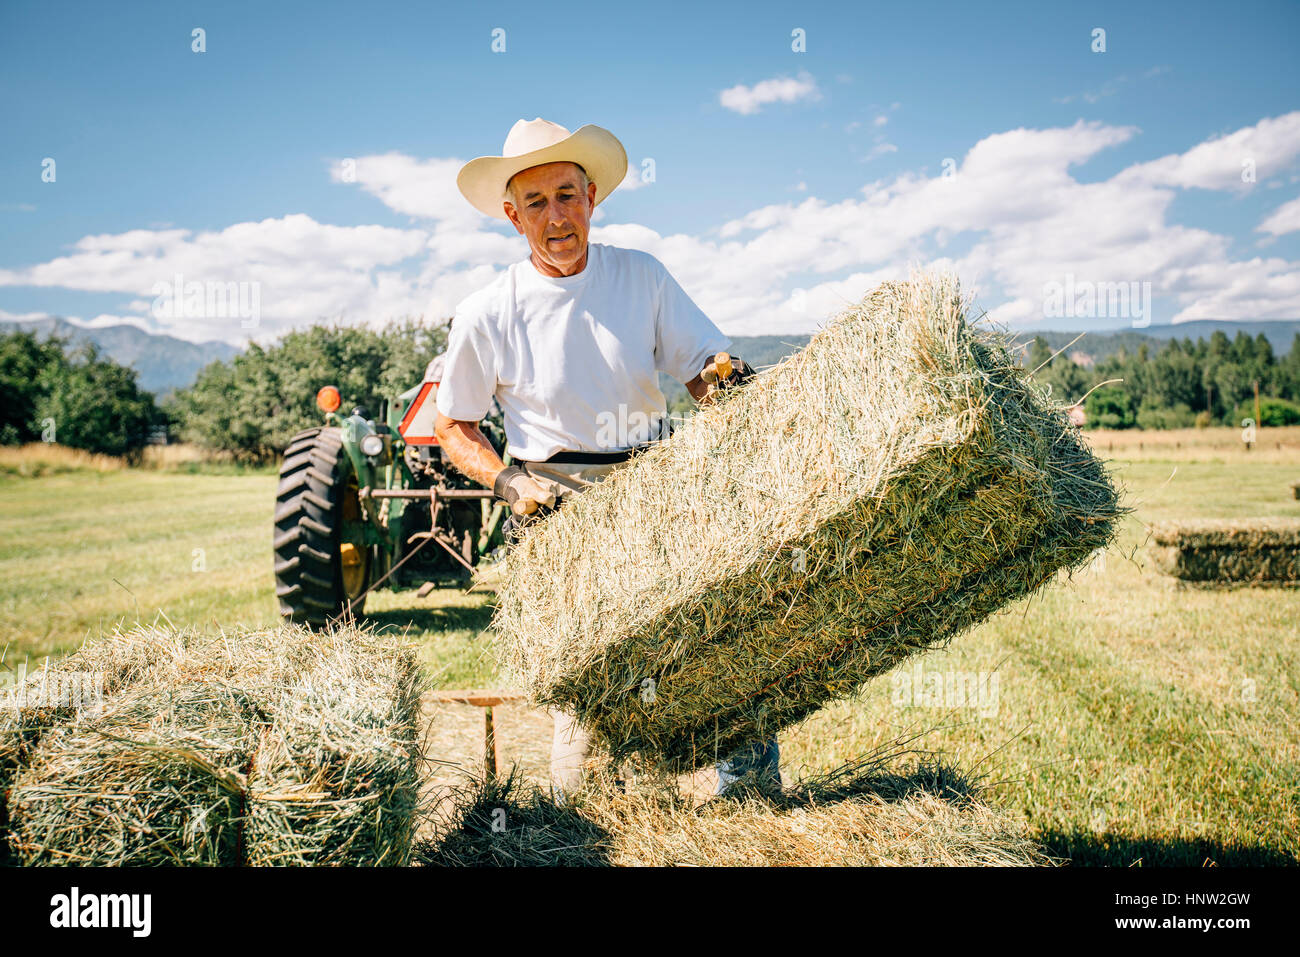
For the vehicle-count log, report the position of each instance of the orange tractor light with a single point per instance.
(328, 399)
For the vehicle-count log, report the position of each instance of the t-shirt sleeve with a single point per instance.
(685, 338)
(469, 376)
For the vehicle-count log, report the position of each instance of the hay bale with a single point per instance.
(336, 778)
(165, 773)
(1295, 490)
(156, 779)
(1259, 551)
(887, 487)
(929, 817)
(57, 691)
(60, 690)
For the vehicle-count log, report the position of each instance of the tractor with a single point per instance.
(367, 503)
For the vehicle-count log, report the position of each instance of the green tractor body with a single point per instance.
(372, 503)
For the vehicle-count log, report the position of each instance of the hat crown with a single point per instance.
(529, 135)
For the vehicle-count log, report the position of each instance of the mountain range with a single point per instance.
(166, 363)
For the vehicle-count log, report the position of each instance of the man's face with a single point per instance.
(553, 212)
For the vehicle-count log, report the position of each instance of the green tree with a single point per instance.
(1110, 407)
(23, 358)
(252, 405)
(96, 405)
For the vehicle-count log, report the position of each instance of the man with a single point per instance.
(570, 341)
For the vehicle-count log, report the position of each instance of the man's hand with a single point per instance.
(723, 371)
(522, 493)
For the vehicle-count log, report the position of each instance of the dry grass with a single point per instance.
(40, 458)
(1273, 446)
(859, 815)
(875, 494)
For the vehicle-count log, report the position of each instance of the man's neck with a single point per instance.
(546, 269)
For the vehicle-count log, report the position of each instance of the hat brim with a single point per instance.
(483, 181)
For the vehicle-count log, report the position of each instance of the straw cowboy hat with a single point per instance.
(534, 142)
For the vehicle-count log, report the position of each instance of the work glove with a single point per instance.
(521, 492)
(740, 372)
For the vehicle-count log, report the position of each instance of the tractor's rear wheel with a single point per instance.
(322, 563)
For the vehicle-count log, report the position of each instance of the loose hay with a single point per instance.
(887, 487)
(1262, 551)
(926, 818)
(336, 779)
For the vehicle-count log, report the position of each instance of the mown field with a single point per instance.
(1125, 719)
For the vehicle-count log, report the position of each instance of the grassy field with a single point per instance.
(1125, 719)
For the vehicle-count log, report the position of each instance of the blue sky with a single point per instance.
(1122, 166)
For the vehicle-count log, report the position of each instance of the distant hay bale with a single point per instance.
(1261, 551)
(336, 779)
(889, 486)
(926, 818)
(1295, 490)
(156, 779)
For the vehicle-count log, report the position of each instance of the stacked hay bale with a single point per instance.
(882, 490)
(157, 779)
(930, 817)
(1262, 551)
(336, 778)
(221, 748)
(59, 691)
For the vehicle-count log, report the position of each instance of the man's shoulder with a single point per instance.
(485, 302)
(624, 257)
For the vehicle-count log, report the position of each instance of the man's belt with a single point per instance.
(595, 458)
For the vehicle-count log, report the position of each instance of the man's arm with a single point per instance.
(472, 453)
(469, 449)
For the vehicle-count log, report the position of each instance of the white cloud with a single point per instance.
(1218, 163)
(782, 89)
(1012, 219)
(422, 188)
(1284, 219)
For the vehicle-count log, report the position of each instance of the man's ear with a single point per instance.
(591, 197)
(513, 216)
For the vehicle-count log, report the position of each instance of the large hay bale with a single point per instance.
(887, 487)
(1261, 551)
(929, 817)
(336, 779)
(156, 779)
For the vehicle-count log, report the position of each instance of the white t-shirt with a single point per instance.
(572, 360)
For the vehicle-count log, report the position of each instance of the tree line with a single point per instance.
(251, 405)
(1182, 384)
(73, 395)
